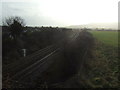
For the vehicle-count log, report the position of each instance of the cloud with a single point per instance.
(30, 12)
(61, 12)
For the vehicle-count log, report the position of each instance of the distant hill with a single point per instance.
(113, 26)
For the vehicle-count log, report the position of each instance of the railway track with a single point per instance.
(28, 60)
(28, 68)
(27, 77)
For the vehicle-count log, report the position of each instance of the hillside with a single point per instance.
(113, 26)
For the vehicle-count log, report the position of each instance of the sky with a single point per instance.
(60, 12)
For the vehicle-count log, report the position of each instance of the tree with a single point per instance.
(15, 25)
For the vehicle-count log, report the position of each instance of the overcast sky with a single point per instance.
(61, 12)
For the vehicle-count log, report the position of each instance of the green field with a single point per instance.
(107, 37)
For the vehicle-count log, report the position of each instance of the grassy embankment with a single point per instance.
(103, 66)
(100, 69)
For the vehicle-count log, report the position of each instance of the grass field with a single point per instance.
(102, 67)
(107, 37)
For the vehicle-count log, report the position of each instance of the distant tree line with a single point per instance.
(16, 36)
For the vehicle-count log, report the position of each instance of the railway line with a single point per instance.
(28, 68)
(28, 60)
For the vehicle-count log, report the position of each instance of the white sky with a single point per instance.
(61, 12)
